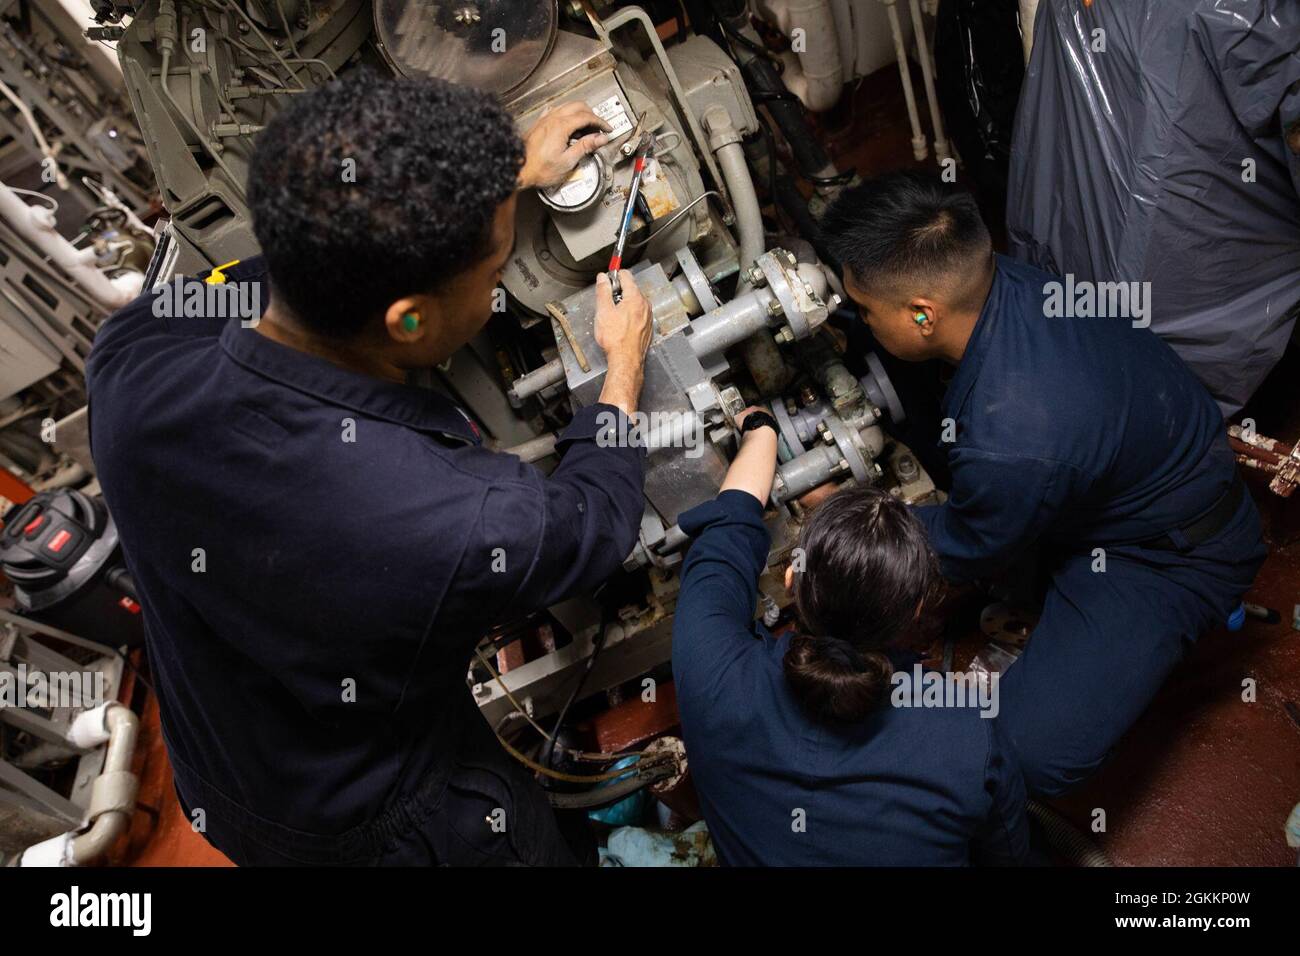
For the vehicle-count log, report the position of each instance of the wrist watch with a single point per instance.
(758, 420)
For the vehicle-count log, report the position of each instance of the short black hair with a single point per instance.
(430, 164)
(901, 231)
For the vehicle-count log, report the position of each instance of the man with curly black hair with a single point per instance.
(318, 544)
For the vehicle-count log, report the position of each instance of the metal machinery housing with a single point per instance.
(739, 314)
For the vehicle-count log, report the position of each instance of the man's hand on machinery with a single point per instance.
(623, 331)
(549, 156)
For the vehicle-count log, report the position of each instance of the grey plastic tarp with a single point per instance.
(1129, 163)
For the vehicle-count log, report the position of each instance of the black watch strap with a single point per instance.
(758, 420)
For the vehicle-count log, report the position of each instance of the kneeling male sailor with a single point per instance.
(1085, 436)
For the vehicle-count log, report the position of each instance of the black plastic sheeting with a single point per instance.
(1130, 163)
(980, 60)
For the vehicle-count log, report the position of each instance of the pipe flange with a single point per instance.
(851, 448)
(881, 390)
(786, 430)
(799, 303)
(697, 280)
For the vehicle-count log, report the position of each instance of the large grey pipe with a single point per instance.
(720, 329)
(724, 139)
(762, 357)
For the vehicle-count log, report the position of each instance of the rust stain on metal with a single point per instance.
(559, 315)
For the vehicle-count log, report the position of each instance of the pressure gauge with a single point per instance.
(581, 189)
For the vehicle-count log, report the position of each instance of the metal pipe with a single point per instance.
(730, 323)
(112, 799)
(37, 225)
(805, 472)
(112, 796)
(744, 200)
(927, 74)
(535, 449)
(539, 379)
(843, 14)
(816, 75)
(919, 148)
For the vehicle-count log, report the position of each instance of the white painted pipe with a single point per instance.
(112, 797)
(816, 74)
(36, 224)
(927, 74)
(919, 148)
(842, 12)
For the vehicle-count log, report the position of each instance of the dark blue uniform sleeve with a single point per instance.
(998, 506)
(1004, 839)
(575, 527)
(719, 590)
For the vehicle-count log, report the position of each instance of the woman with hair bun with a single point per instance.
(803, 748)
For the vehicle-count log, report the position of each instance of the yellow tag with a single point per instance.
(217, 276)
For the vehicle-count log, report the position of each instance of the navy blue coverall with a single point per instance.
(907, 787)
(1091, 439)
(318, 551)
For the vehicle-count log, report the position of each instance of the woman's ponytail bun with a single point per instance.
(834, 682)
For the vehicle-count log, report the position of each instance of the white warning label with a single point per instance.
(613, 113)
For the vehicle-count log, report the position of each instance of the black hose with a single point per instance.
(765, 86)
(612, 793)
(1065, 838)
(119, 579)
(548, 748)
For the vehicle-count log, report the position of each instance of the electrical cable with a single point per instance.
(520, 712)
(643, 762)
(597, 645)
(756, 48)
(673, 219)
(50, 200)
(42, 144)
